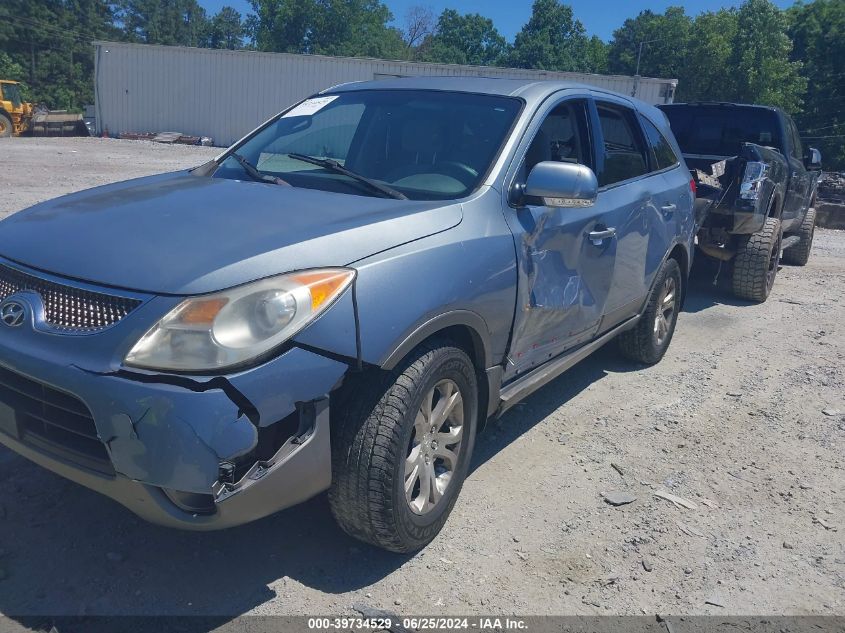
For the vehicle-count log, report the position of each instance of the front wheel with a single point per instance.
(401, 447)
(5, 126)
(648, 341)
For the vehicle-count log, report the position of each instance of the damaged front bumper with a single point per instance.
(191, 452)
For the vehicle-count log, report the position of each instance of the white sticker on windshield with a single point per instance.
(310, 106)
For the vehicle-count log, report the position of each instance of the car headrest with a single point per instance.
(422, 136)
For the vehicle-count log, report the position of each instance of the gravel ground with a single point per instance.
(743, 418)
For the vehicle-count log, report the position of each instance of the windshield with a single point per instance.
(12, 92)
(427, 145)
(721, 130)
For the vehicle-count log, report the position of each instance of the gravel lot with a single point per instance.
(744, 418)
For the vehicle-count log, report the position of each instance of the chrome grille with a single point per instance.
(67, 308)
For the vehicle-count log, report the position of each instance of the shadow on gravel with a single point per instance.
(66, 551)
(703, 293)
(537, 407)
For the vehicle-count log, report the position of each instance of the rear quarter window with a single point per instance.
(664, 155)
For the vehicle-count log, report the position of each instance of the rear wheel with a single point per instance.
(756, 262)
(799, 254)
(401, 446)
(649, 340)
(5, 126)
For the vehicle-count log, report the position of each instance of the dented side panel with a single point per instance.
(295, 376)
(165, 435)
(564, 281)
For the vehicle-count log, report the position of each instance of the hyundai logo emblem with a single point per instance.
(12, 313)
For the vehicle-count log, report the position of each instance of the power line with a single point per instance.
(51, 29)
(819, 129)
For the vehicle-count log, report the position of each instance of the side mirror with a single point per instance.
(814, 159)
(562, 184)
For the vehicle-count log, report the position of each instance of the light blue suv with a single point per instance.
(340, 300)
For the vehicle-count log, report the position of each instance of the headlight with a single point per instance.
(752, 180)
(228, 328)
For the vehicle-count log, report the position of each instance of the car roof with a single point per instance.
(728, 104)
(482, 85)
(532, 90)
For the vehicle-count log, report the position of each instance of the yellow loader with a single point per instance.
(19, 117)
(15, 113)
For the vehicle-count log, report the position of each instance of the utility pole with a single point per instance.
(639, 57)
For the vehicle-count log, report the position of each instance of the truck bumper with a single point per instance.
(737, 220)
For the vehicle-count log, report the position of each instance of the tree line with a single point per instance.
(793, 58)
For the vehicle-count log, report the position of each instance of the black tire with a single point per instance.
(373, 428)
(756, 262)
(642, 343)
(799, 254)
(5, 126)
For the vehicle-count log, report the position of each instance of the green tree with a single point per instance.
(50, 40)
(170, 22)
(701, 76)
(355, 28)
(596, 56)
(662, 38)
(282, 26)
(465, 39)
(10, 69)
(759, 67)
(818, 33)
(552, 39)
(226, 29)
(358, 28)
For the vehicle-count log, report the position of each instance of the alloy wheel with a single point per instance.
(435, 445)
(665, 311)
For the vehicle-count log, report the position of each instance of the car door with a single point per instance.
(641, 206)
(798, 189)
(565, 258)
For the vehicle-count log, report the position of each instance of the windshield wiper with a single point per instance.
(252, 171)
(336, 167)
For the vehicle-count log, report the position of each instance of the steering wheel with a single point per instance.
(464, 174)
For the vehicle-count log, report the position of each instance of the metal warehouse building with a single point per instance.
(225, 94)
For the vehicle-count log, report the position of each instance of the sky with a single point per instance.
(600, 17)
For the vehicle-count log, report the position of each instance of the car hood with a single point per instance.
(184, 234)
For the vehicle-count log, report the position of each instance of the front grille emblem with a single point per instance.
(12, 313)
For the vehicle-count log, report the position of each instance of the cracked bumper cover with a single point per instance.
(160, 433)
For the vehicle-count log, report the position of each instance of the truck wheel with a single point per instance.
(401, 447)
(799, 254)
(5, 126)
(649, 340)
(756, 262)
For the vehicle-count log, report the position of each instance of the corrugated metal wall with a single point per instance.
(225, 94)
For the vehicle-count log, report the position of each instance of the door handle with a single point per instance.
(598, 237)
(668, 209)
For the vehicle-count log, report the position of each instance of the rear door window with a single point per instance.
(624, 151)
(664, 155)
(797, 149)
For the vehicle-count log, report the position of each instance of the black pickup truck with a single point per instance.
(756, 188)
